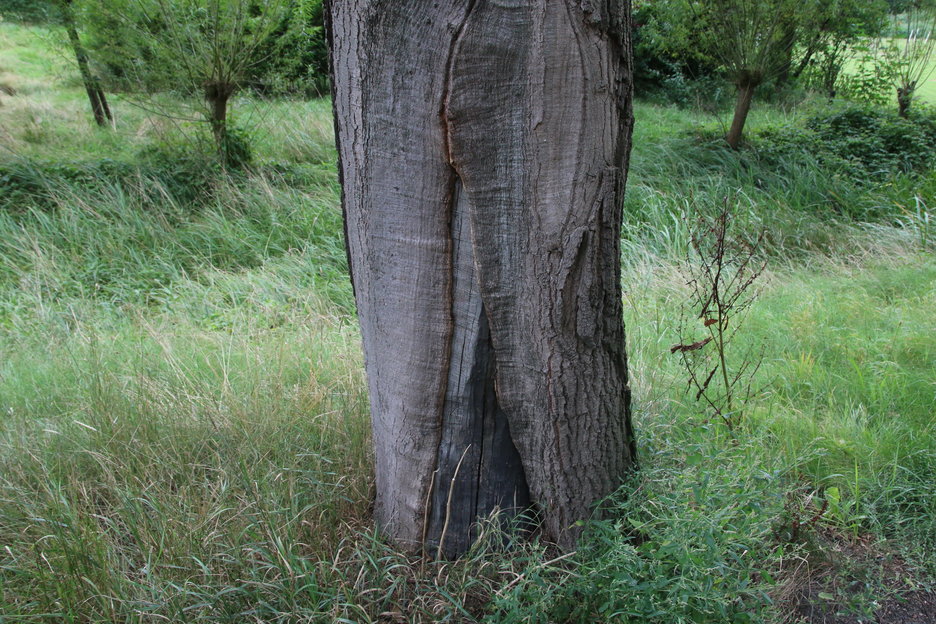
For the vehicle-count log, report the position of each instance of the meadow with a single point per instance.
(928, 88)
(184, 431)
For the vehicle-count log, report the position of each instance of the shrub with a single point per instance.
(872, 80)
(663, 73)
(238, 152)
(860, 142)
(881, 142)
(295, 57)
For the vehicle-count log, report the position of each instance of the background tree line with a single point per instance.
(695, 48)
(184, 56)
(203, 52)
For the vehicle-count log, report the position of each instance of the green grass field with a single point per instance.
(927, 90)
(184, 433)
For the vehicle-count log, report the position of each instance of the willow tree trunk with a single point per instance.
(746, 87)
(99, 107)
(905, 98)
(217, 96)
(483, 150)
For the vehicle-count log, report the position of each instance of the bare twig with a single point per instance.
(722, 272)
(448, 502)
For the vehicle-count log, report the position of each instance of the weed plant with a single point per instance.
(721, 272)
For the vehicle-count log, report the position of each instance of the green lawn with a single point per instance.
(927, 90)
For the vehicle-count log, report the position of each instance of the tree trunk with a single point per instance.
(99, 107)
(217, 97)
(483, 150)
(746, 86)
(905, 98)
(804, 62)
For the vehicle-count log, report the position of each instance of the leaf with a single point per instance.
(710, 322)
(695, 346)
(826, 596)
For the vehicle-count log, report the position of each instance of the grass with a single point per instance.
(927, 90)
(183, 415)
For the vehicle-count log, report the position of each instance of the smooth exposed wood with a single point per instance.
(483, 153)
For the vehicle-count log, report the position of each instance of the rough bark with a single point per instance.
(217, 97)
(483, 150)
(905, 98)
(745, 85)
(99, 107)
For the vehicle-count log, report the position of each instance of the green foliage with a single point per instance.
(662, 66)
(185, 178)
(880, 142)
(679, 41)
(832, 33)
(845, 21)
(860, 142)
(181, 47)
(742, 37)
(785, 185)
(128, 238)
(237, 152)
(30, 11)
(198, 51)
(294, 59)
(184, 518)
(896, 7)
(872, 77)
(689, 541)
(914, 54)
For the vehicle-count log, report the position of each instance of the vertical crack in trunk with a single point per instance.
(542, 160)
(447, 83)
(478, 469)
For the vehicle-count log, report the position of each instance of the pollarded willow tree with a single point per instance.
(483, 150)
(198, 50)
(750, 40)
(913, 55)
